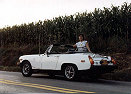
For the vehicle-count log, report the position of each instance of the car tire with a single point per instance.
(26, 69)
(70, 72)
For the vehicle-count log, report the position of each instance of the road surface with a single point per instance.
(14, 82)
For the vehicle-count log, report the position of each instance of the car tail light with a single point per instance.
(113, 61)
(91, 60)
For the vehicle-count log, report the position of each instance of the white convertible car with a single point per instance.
(65, 60)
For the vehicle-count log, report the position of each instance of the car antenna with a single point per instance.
(39, 44)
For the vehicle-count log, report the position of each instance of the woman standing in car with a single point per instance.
(82, 45)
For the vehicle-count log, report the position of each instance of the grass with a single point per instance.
(119, 75)
(10, 68)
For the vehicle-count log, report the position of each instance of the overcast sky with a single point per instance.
(14, 12)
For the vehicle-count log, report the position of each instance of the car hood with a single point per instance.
(29, 56)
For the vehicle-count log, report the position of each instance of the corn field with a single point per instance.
(108, 29)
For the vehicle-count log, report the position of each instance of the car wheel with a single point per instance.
(70, 72)
(26, 69)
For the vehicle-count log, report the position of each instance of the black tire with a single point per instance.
(70, 72)
(26, 69)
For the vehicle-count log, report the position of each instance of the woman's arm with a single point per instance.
(87, 45)
(74, 46)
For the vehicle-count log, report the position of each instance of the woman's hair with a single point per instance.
(82, 36)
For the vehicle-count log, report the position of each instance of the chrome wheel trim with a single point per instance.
(26, 69)
(69, 72)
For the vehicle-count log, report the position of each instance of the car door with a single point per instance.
(49, 61)
(35, 61)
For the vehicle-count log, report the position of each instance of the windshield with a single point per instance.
(64, 49)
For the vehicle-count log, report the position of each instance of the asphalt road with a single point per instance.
(14, 82)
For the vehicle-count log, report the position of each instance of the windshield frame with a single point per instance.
(48, 50)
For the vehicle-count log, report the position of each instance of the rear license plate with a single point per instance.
(104, 62)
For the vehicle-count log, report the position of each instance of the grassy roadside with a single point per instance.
(123, 73)
(119, 75)
(10, 68)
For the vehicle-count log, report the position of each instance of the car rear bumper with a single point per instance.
(103, 69)
(100, 69)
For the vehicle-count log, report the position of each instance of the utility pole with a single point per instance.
(39, 44)
(1, 43)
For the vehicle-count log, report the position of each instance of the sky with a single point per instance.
(14, 12)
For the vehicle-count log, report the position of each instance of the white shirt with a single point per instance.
(81, 46)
